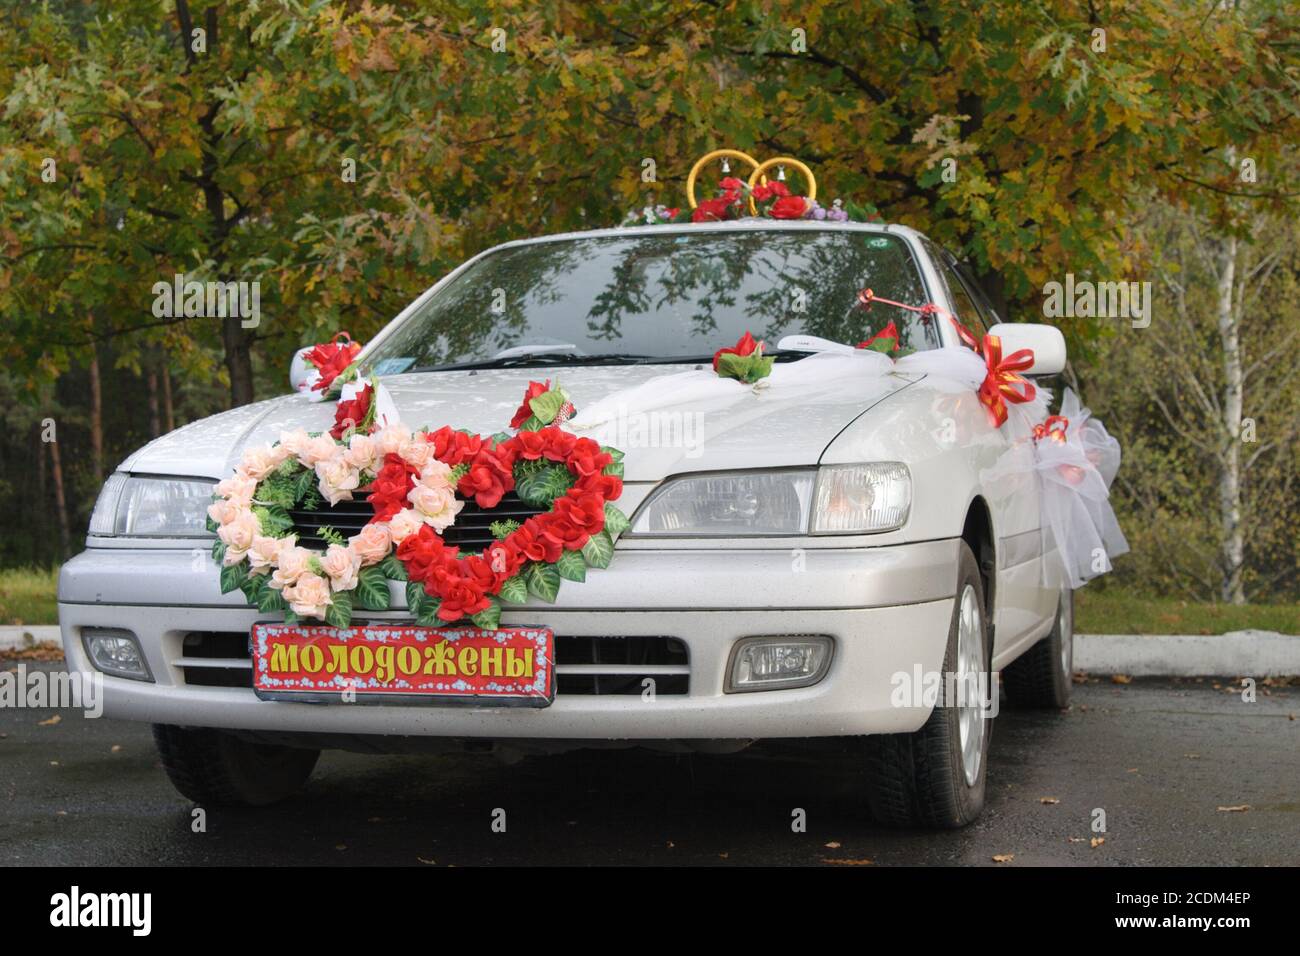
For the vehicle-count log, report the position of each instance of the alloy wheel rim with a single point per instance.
(970, 671)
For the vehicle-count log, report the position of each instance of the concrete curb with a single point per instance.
(1245, 653)
(1237, 653)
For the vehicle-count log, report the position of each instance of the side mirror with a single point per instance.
(301, 374)
(1045, 341)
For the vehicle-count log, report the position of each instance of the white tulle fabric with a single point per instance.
(1073, 475)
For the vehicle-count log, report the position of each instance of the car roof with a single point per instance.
(748, 224)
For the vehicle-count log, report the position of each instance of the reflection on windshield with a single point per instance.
(662, 296)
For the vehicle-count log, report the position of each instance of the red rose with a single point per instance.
(524, 412)
(711, 210)
(587, 458)
(890, 331)
(453, 447)
(584, 511)
(532, 544)
(731, 184)
(672, 212)
(331, 358)
(559, 443)
(391, 485)
(480, 572)
(530, 445)
(609, 487)
(487, 480)
(765, 191)
(352, 413)
(789, 207)
(423, 552)
(745, 346)
(568, 535)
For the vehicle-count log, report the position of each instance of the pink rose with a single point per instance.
(318, 449)
(295, 442)
(341, 565)
(291, 564)
(372, 543)
(238, 488)
(435, 473)
(224, 512)
(238, 534)
(417, 451)
(310, 596)
(363, 453)
(437, 506)
(258, 463)
(337, 479)
(406, 522)
(265, 551)
(392, 439)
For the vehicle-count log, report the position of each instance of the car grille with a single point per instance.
(471, 532)
(585, 666)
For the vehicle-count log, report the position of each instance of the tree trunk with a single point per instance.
(239, 360)
(1232, 544)
(96, 417)
(60, 500)
(169, 413)
(155, 423)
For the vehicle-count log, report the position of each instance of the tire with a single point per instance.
(930, 778)
(1043, 675)
(216, 768)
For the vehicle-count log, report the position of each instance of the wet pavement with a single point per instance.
(1160, 758)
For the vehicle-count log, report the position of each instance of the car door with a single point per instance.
(1025, 595)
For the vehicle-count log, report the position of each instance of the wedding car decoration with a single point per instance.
(417, 483)
(743, 361)
(319, 368)
(756, 196)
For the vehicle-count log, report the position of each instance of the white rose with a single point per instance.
(258, 463)
(291, 564)
(265, 551)
(224, 512)
(372, 543)
(363, 453)
(237, 488)
(295, 442)
(391, 439)
(435, 473)
(318, 449)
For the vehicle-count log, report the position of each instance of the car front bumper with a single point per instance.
(887, 610)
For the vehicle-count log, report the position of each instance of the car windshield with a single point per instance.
(662, 297)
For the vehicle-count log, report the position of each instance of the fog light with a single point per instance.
(772, 663)
(116, 652)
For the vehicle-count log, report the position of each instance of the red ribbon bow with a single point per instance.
(1003, 383)
(1054, 428)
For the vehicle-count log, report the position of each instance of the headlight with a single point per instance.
(152, 507)
(730, 504)
(836, 499)
(861, 499)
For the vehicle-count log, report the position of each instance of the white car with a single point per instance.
(752, 597)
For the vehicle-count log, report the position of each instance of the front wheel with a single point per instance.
(935, 777)
(1043, 675)
(218, 768)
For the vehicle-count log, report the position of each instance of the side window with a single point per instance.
(967, 310)
(991, 317)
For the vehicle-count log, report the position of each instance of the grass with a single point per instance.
(1118, 611)
(27, 596)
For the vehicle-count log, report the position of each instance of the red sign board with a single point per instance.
(401, 663)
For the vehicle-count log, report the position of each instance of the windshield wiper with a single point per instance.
(543, 358)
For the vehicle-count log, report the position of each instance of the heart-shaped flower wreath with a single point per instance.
(413, 479)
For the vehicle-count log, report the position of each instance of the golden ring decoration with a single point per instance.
(710, 157)
(762, 168)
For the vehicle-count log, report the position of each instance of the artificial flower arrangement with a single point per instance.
(772, 200)
(417, 483)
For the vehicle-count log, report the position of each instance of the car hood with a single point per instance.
(761, 430)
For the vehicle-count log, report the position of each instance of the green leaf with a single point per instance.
(218, 551)
(614, 468)
(275, 520)
(532, 424)
(253, 585)
(339, 613)
(232, 576)
(571, 566)
(503, 529)
(416, 597)
(542, 487)
(393, 568)
(599, 550)
(372, 590)
(514, 590)
(543, 580)
(271, 600)
(615, 521)
(428, 616)
(304, 485)
(489, 619)
(547, 405)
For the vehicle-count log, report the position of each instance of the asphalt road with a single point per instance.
(1159, 757)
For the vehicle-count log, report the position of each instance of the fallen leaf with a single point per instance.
(833, 845)
(670, 844)
(116, 748)
(375, 820)
(1120, 679)
(1241, 809)
(1003, 857)
(1075, 840)
(1097, 841)
(1048, 800)
(724, 856)
(430, 862)
(51, 722)
(1192, 756)
(60, 813)
(341, 846)
(1131, 770)
(845, 862)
